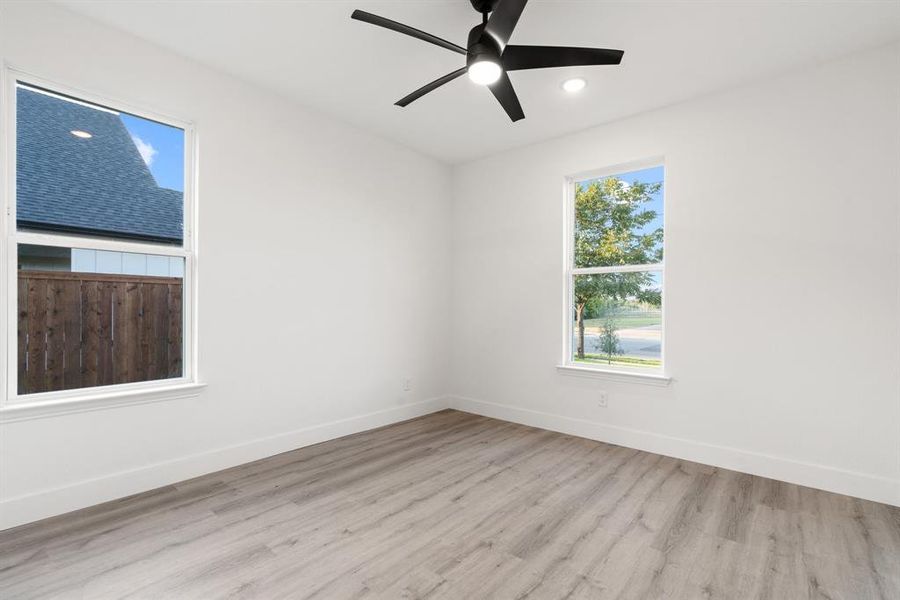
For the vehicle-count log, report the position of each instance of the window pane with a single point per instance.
(618, 319)
(619, 219)
(90, 318)
(87, 170)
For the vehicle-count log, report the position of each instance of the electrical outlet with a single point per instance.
(603, 400)
(407, 384)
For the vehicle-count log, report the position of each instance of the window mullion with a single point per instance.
(617, 269)
(87, 243)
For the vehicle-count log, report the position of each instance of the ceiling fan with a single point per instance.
(489, 56)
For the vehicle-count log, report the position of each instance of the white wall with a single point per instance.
(781, 298)
(323, 259)
(780, 195)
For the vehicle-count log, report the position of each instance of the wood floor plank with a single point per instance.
(454, 505)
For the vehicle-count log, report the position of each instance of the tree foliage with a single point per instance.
(610, 221)
(608, 342)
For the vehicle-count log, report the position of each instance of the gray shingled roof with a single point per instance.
(98, 186)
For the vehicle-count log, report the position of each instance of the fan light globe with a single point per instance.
(484, 72)
(574, 85)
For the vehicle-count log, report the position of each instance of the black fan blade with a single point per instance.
(503, 20)
(361, 15)
(516, 58)
(503, 91)
(430, 87)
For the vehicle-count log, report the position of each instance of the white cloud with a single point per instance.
(148, 152)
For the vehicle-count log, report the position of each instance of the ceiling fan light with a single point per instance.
(484, 72)
(574, 85)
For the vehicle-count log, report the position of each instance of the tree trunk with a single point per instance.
(579, 318)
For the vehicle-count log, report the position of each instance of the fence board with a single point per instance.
(105, 362)
(156, 316)
(22, 310)
(71, 312)
(90, 333)
(87, 329)
(133, 332)
(176, 343)
(37, 337)
(55, 348)
(123, 331)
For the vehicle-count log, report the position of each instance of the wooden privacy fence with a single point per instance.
(88, 329)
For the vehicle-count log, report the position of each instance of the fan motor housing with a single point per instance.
(481, 47)
(484, 6)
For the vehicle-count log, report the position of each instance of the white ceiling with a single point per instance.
(674, 50)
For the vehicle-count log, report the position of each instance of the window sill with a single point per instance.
(26, 410)
(613, 375)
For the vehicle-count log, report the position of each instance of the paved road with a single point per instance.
(641, 342)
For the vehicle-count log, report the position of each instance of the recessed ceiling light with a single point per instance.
(574, 85)
(484, 72)
(81, 134)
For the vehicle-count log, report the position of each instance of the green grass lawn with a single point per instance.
(627, 321)
(630, 361)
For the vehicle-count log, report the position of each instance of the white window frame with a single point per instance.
(14, 406)
(568, 366)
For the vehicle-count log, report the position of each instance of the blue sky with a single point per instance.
(651, 175)
(162, 148)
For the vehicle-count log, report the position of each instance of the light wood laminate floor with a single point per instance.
(453, 505)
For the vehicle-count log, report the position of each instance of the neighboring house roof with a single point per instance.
(98, 186)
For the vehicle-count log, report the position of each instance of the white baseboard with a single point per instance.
(851, 483)
(47, 503)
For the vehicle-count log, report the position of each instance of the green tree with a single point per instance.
(610, 216)
(608, 343)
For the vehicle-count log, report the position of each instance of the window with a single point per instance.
(614, 271)
(100, 249)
